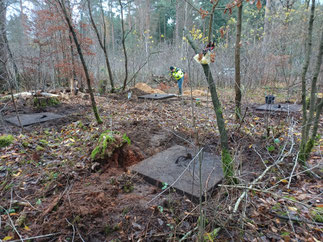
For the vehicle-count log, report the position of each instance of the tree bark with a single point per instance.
(102, 45)
(308, 52)
(310, 143)
(226, 157)
(124, 49)
(3, 47)
(266, 39)
(15, 68)
(79, 50)
(237, 65)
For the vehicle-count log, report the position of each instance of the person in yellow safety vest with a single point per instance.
(178, 74)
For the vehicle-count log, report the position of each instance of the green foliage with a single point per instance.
(317, 214)
(6, 140)
(39, 148)
(128, 187)
(271, 148)
(212, 235)
(126, 139)
(109, 229)
(108, 142)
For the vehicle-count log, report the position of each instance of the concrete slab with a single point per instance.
(157, 96)
(163, 168)
(33, 118)
(280, 107)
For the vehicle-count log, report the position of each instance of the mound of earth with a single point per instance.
(144, 87)
(195, 93)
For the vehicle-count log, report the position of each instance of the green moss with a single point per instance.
(109, 229)
(276, 207)
(227, 164)
(6, 140)
(108, 142)
(43, 142)
(128, 187)
(317, 214)
(97, 151)
(44, 102)
(39, 148)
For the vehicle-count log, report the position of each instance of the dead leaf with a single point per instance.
(36, 157)
(259, 4)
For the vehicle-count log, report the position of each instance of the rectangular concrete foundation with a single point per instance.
(162, 168)
(157, 96)
(33, 118)
(283, 107)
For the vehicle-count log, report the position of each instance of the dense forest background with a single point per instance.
(44, 54)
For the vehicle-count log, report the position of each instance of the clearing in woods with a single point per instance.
(49, 186)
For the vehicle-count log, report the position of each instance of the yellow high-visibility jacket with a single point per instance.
(177, 74)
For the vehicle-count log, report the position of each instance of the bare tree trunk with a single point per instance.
(102, 45)
(147, 15)
(237, 65)
(179, 22)
(307, 3)
(79, 50)
(308, 52)
(310, 143)
(124, 48)
(15, 68)
(266, 39)
(129, 14)
(3, 47)
(226, 157)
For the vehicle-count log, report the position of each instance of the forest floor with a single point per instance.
(49, 191)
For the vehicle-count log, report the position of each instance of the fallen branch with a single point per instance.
(36, 237)
(296, 219)
(282, 157)
(265, 191)
(291, 175)
(72, 227)
(12, 224)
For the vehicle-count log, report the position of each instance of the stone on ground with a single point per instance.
(162, 169)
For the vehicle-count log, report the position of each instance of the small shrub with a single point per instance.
(108, 142)
(6, 140)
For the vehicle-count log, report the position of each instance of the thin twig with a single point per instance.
(284, 179)
(265, 191)
(290, 221)
(280, 159)
(36, 237)
(296, 219)
(12, 224)
(72, 227)
(291, 175)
